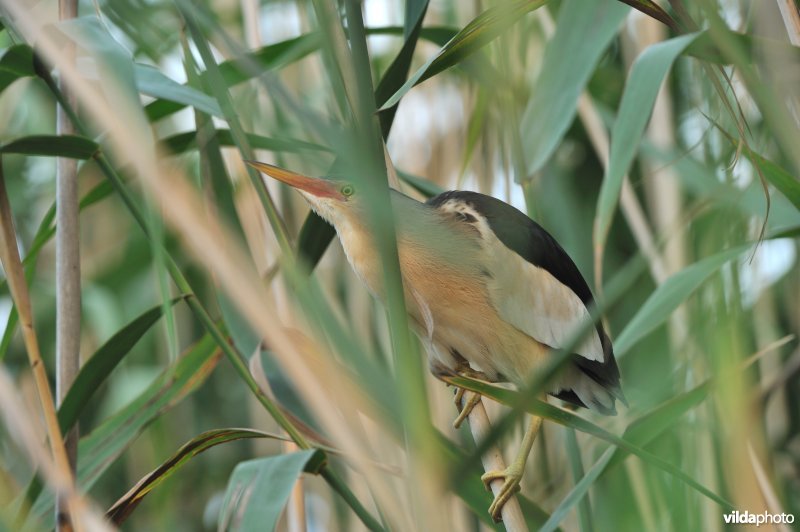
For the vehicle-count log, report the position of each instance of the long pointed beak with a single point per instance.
(320, 188)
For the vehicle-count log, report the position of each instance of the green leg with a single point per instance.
(512, 474)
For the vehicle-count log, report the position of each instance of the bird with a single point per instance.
(490, 293)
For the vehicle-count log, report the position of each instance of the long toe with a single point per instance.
(511, 479)
(459, 395)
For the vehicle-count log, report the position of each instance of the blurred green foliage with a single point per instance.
(660, 198)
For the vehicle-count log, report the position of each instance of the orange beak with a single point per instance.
(320, 188)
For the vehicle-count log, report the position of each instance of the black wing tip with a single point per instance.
(570, 397)
(616, 391)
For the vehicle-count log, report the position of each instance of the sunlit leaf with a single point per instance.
(239, 70)
(115, 67)
(703, 182)
(641, 89)
(583, 33)
(152, 82)
(90, 35)
(259, 489)
(668, 296)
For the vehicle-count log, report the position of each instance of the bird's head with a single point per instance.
(334, 200)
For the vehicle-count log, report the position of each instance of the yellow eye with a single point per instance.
(347, 190)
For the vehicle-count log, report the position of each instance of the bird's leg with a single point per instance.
(472, 400)
(472, 397)
(512, 474)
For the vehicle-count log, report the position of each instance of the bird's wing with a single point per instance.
(427, 315)
(534, 284)
(531, 299)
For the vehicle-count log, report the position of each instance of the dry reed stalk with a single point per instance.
(17, 417)
(15, 275)
(68, 266)
(767, 491)
(492, 460)
(216, 250)
(296, 511)
(790, 13)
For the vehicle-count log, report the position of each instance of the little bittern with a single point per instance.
(488, 290)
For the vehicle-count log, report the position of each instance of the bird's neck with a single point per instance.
(422, 233)
(358, 240)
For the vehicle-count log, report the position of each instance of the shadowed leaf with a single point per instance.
(121, 509)
(187, 141)
(481, 31)
(653, 10)
(707, 49)
(16, 63)
(44, 234)
(421, 185)
(397, 72)
(72, 146)
(97, 369)
(641, 432)
(316, 234)
(103, 445)
(787, 184)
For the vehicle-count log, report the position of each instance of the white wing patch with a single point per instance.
(538, 304)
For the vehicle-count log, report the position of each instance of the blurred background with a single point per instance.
(678, 200)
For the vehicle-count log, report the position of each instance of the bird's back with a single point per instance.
(537, 287)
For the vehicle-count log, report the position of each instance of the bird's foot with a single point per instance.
(472, 400)
(511, 476)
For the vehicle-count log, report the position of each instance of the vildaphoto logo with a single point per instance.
(746, 518)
